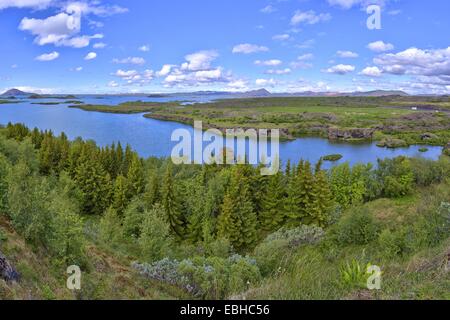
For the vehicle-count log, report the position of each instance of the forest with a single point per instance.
(145, 228)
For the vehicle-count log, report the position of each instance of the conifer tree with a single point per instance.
(237, 221)
(171, 205)
(135, 177)
(95, 184)
(272, 213)
(322, 197)
(120, 195)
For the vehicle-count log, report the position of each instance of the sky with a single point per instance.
(129, 46)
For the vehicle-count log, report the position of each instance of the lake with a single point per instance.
(153, 137)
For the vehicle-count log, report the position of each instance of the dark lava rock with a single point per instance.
(349, 134)
(7, 271)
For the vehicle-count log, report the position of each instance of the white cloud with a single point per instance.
(94, 8)
(35, 4)
(340, 69)
(247, 48)
(281, 37)
(269, 63)
(77, 69)
(265, 82)
(99, 45)
(48, 56)
(63, 28)
(165, 70)
(380, 46)
(414, 61)
(133, 77)
(238, 85)
(371, 72)
(113, 84)
(144, 48)
(347, 54)
(130, 60)
(309, 17)
(279, 71)
(348, 4)
(306, 56)
(90, 56)
(59, 30)
(268, 9)
(301, 65)
(200, 60)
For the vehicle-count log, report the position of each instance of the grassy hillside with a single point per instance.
(146, 229)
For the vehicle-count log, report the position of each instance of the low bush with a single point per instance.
(358, 227)
(208, 278)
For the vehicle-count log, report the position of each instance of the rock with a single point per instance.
(428, 136)
(7, 271)
(350, 134)
(392, 143)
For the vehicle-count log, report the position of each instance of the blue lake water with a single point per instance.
(153, 138)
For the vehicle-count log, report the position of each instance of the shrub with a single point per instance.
(208, 278)
(298, 236)
(274, 250)
(391, 243)
(358, 227)
(155, 240)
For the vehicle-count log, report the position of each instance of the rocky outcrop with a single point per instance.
(392, 143)
(7, 271)
(428, 136)
(350, 134)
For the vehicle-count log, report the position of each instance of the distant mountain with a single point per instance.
(379, 93)
(255, 93)
(15, 93)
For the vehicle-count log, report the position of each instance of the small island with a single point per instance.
(333, 157)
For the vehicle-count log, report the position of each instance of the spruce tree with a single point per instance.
(238, 221)
(272, 213)
(171, 205)
(135, 177)
(120, 195)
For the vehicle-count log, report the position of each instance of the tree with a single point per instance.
(171, 205)
(272, 213)
(155, 240)
(110, 227)
(135, 177)
(120, 195)
(237, 221)
(95, 184)
(322, 199)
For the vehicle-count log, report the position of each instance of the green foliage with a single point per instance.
(110, 228)
(155, 241)
(354, 275)
(356, 227)
(237, 221)
(172, 206)
(207, 278)
(397, 176)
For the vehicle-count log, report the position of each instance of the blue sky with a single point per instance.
(113, 46)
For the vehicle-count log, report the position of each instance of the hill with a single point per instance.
(15, 93)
